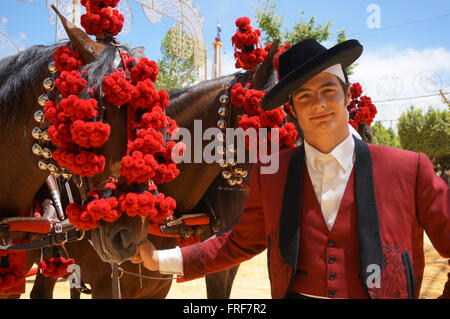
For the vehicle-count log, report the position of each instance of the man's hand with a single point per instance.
(148, 255)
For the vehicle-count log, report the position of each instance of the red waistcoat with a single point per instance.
(328, 263)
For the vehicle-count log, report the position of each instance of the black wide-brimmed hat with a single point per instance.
(303, 61)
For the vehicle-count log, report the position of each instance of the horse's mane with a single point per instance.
(194, 92)
(19, 75)
(22, 74)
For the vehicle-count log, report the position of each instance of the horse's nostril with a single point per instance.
(122, 239)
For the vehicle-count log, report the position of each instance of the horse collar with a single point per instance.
(230, 169)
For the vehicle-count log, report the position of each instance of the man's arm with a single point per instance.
(245, 239)
(433, 209)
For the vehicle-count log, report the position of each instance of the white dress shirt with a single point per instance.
(329, 175)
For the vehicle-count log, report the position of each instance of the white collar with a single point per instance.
(343, 153)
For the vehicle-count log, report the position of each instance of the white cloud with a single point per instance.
(389, 74)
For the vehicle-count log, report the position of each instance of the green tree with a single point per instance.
(428, 133)
(271, 23)
(174, 72)
(384, 136)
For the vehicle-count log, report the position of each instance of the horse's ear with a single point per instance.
(82, 43)
(265, 70)
(138, 53)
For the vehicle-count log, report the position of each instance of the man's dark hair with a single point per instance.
(344, 86)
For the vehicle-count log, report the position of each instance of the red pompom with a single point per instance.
(248, 51)
(70, 82)
(103, 20)
(164, 208)
(10, 276)
(117, 89)
(90, 134)
(55, 267)
(145, 69)
(79, 109)
(67, 59)
(138, 168)
(138, 204)
(82, 163)
(360, 110)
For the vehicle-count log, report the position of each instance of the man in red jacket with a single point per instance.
(340, 218)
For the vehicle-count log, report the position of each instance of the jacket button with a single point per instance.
(331, 259)
(331, 293)
(332, 276)
(331, 243)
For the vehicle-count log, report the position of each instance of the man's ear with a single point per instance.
(348, 97)
(291, 109)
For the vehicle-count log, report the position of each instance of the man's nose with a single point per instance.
(319, 102)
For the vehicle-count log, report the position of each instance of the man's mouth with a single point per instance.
(321, 116)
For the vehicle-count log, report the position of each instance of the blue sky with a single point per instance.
(408, 56)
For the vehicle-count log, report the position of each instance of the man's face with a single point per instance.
(319, 104)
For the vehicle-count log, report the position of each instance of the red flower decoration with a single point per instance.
(55, 267)
(67, 59)
(102, 20)
(90, 134)
(138, 204)
(361, 109)
(117, 89)
(248, 51)
(145, 69)
(70, 82)
(79, 109)
(164, 208)
(138, 168)
(82, 163)
(10, 276)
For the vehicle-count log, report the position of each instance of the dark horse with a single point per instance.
(198, 188)
(21, 78)
(118, 241)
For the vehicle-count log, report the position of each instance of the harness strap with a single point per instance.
(50, 240)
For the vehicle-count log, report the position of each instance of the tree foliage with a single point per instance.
(384, 136)
(428, 133)
(174, 72)
(271, 24)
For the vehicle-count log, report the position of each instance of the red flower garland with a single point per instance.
(138, 204)
(145, 69)
(90, 134)
(116, 88)
(70, 82)
(101, 20)
(79, 109)
(256, 117)
(82, 163)
(87, 217)
(100, 3)
(67, 59)
(10, 276)
(361, 109)
(248, 51)
(55, 267)
(73, 129)
(138, 168)
(148, 141)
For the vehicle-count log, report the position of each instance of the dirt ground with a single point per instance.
(252, 280)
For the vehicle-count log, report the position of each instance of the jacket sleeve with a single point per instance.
(433, 208)
(245, 239)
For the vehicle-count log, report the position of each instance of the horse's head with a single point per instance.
(114, 241)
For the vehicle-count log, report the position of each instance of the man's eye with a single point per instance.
(304, 96)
